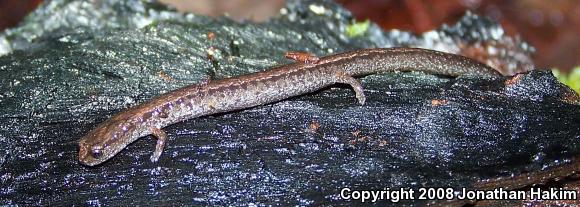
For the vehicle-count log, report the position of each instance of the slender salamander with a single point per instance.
(308, 74)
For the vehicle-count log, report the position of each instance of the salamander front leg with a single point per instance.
(161, 138)
(354, 83)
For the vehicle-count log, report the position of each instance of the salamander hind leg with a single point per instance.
(161, 138)
(302, 57)
(342, 77)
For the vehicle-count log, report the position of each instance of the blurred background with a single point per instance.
(551, 26)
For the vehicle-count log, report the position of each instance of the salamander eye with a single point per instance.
(97, 152)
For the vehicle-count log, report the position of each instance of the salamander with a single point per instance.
(307, 74)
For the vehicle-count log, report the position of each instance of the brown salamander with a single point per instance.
(308, 74)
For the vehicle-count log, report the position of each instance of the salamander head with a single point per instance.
(104, 142)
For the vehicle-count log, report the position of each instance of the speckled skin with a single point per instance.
(311, 74)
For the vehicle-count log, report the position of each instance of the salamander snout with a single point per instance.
(103, 142)
(87, 155)
(91, 151)
(84, 151)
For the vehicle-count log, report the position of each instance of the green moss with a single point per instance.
(571, 79)
(357, 29)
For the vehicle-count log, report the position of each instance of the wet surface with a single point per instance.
(414, 130)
